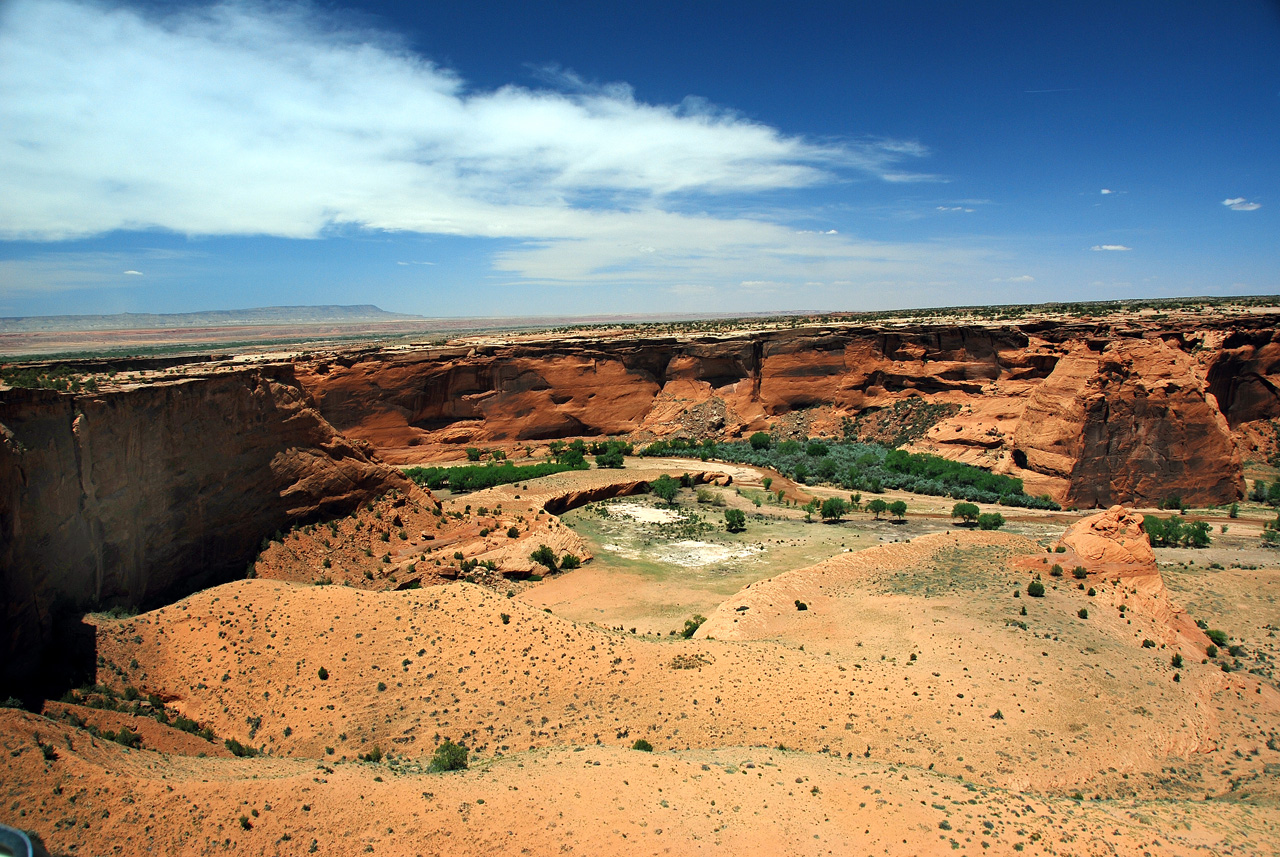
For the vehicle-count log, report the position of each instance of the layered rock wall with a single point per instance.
(1087, 414)
(146, 493)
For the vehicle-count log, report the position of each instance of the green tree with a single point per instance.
(735, 520)
(473, 454)
(877, 507)
(810, 508)
(833, 509)
(1035, 589)
(1273, 494)
(665, 488)
(1259, 492)
(612, 458)
(1196, 534)
(898, 508)
(990, 521)
(766, 482)
(545, 556)
(760, 441)
(967, 511)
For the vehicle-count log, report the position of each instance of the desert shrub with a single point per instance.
(1177, 661)
(1219, 637)
(990, 521)
(569, 562)
(238, 749)
(545, 556)
(735, 520)
(1148, 644)
(382, 686)
(323, 674)
(449, 757)
(691, 626)
(1035, 589)
(1079, 572)
(506, 618)
(374, 755)
(513, 532)
(761, 440)
(1083, 613)
(642, 745)
(800, 605)
(1055, 571)
(1211, 650)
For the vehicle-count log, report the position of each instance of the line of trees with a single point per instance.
(859, 467)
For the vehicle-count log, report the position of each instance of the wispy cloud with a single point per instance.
(1023, 278)
(955, 208)
(1241, 204)
(246, 119)
(1106, 190)
(249, 118)
(134, 273)
(1110, 247)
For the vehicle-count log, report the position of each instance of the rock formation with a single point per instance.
(1088, 414)
(152, 491)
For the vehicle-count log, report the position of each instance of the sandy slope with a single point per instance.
(883, 690)
(97, 798)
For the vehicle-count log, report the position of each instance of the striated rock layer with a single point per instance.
(1089, 414)
(153, 491)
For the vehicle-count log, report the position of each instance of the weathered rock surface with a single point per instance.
(1088, 414)
(153, 491)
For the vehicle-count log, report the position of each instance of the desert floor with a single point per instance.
(865, 687)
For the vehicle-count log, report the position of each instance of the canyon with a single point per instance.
(148, 489)
(1089, 414)
(333, 621)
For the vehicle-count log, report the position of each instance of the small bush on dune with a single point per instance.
(449, 757)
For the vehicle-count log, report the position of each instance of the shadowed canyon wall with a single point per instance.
(138, 494)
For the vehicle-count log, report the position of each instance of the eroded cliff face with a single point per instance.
(138, 494)
(1087, 414)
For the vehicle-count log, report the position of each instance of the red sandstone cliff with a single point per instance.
(1087, 414)
(128, 496)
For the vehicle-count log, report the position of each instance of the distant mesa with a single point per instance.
(273, 315)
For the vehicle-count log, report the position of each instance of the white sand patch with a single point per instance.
(647, 514)
(692, 554)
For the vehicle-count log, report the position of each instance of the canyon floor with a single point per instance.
(864, 687)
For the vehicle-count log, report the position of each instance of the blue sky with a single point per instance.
(476, 158)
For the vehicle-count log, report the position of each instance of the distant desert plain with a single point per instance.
(993, 581)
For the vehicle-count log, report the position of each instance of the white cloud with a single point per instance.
(134, 273)
(955, 208)
(268, 119)
(1024, 278)
(245, 119)
(1110, 247)
(1107, 190)
(1241, 204)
